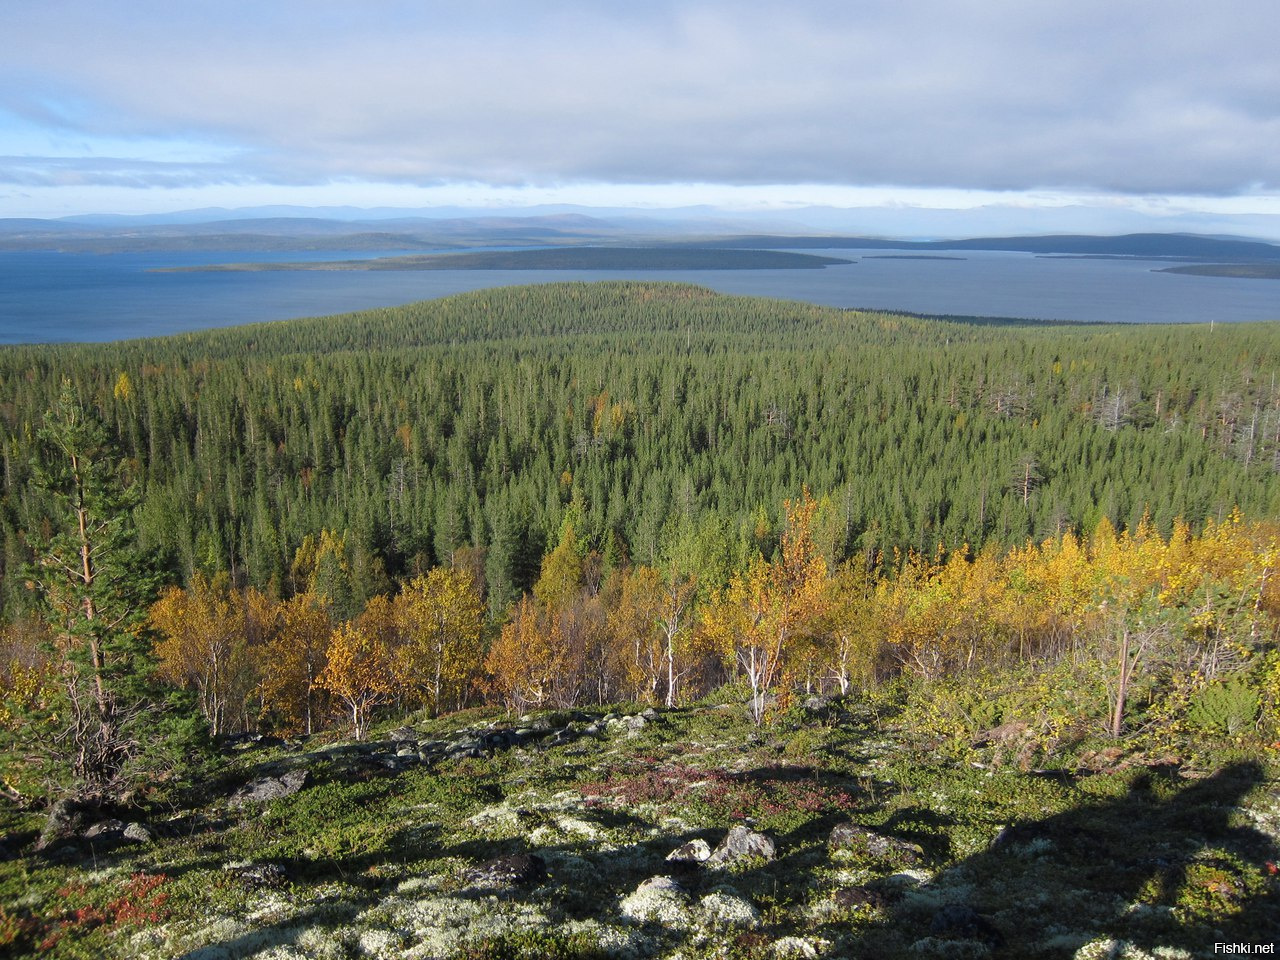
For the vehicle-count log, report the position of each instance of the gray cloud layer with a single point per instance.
(1139, 97)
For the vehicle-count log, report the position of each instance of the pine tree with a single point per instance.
(109, 722)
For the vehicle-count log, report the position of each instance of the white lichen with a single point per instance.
(726, 907)
(659, 900)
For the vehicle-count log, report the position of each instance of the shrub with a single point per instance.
(1224, 708)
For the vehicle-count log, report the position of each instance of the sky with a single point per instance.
(1103, 112)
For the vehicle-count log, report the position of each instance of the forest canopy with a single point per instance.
(655, 414)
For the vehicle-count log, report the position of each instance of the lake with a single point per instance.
(53, 297)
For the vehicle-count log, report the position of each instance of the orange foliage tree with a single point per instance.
(205, 646)
(294, 660)
(765, 610)
(441, 652)
(357, 673)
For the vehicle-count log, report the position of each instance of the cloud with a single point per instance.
(984, 94)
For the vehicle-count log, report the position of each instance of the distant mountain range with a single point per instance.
(350, 229)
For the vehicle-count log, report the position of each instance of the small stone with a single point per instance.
(138, 833)
(104, 830)
(742, 842)
(270, 788)
(695, 851)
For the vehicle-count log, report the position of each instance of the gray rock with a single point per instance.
(855, 837)
(695, 851)
(66, 821)
(138, 833)
(407, 749)
(662, 885)
(270, 788)
(104, 830)
(649, 713)
(509, 871)
(260, 876)
(742, 842)
(403, 735)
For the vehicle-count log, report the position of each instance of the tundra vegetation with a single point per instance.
(635, 620)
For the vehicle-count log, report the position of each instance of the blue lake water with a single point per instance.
(52, 297)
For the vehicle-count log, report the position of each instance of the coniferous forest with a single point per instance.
(1041, 540)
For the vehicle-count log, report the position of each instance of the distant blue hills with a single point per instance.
(351, 228)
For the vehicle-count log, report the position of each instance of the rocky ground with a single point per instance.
(682, 834)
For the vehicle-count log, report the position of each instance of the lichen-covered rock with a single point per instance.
(259, 876)
(740, 843)
(859, 839)
(726, 907)
(660, 900)
(798, 948)
(138, 833)
(270, 788)
(509, 871)
(65, 821)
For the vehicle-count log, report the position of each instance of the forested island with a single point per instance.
(557, 258)
(618, 619)
(1252, 271)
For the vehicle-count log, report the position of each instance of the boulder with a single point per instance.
(403, 735)
(740, 843)
(860, 839)
(270, 788)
